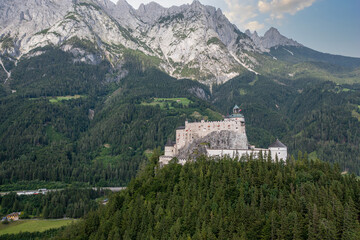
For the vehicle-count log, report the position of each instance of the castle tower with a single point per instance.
(237, 120)
(278, 149)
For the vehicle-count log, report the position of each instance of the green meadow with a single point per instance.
(33, 225)
(58, 99)
(163, 101)
(64, 98)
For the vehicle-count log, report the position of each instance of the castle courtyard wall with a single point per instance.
(201, 129)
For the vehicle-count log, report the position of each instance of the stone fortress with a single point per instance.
(217, 139)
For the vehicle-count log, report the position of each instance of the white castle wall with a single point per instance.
(236, 152)
(281, 153)
(164, 160)
(170, 151)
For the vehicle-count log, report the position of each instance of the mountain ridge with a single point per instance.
(271, 38)
(189, 41)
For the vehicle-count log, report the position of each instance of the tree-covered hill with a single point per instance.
(75, 122)
(230, 199)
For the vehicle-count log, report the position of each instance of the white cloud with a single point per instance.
(254, 25)
(241, 13)
(277, 8)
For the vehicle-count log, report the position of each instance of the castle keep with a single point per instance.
(218, 138)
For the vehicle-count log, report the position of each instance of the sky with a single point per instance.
(331, 26)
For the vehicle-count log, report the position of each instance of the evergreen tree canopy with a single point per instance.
(230, 199)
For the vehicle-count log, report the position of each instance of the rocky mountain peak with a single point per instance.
(196, 3)
(271, 38)
(150, 12)
(123, 12)
(256, 39)
(272, 32)
(123, 3)
(107, 4)
(150, 6)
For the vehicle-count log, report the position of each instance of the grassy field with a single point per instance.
(163, 101)
(58, 98)
(33, 225)
(63, 98)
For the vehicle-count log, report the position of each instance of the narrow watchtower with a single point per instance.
(236, 109)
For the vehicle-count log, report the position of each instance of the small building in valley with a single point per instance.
(12, 217)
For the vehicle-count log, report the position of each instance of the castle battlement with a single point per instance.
(228, 137)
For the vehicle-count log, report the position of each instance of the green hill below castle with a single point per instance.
(230, 199)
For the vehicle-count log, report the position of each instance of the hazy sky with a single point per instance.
(331, 26)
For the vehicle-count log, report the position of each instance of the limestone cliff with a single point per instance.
(216, 140)
(192, 40)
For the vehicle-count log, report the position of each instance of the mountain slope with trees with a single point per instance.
(102, 137)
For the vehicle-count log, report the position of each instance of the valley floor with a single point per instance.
(33, 225)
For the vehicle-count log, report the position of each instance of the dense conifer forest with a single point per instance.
(69, 203)
(230, 199)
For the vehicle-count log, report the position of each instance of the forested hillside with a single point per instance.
(230, 199)
(70, 203)
(310, 115)
(98, 138)
(75, 123)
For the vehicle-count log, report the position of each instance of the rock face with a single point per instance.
(256, 39)
(196, 41)
(271, 38)
(192, 40)
(227, 140)
(217, 140)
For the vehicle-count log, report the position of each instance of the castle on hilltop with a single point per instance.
(217, 139)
